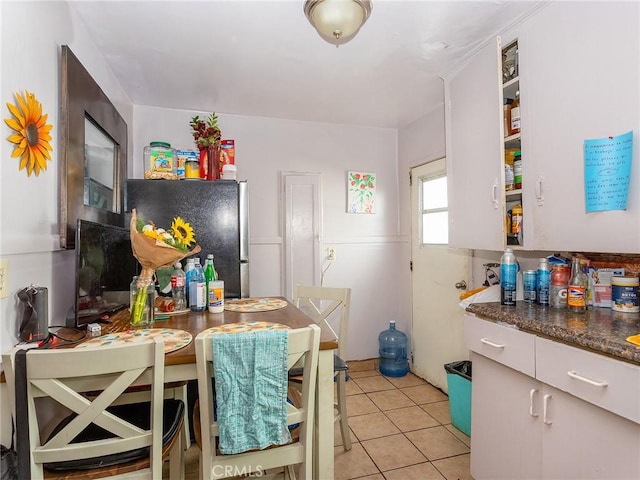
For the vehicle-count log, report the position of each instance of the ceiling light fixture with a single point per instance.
(337, 21)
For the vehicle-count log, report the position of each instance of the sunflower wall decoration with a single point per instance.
(32, 135)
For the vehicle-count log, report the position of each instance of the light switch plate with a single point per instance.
(4, 278)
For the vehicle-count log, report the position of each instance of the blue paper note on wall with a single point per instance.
(607, 170)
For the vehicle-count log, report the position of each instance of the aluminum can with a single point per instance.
(529, 285)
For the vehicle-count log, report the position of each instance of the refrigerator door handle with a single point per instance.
(243, 205)
(244, 279)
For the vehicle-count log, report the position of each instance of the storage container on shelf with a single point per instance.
(160, 161)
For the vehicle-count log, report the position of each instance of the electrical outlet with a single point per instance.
(4, 278)
(331, 254)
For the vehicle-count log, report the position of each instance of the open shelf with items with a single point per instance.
(511, 145)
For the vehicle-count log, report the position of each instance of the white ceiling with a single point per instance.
(263, 58)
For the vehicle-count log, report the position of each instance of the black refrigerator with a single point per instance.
(217, 210)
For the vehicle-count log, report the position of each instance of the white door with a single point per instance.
(437, 318)
(302, 222)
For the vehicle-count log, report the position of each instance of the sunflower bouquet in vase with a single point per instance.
(155, 247)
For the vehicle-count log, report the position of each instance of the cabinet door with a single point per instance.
(506, 434)
(476, 181)
(582, 441)
(580, 62)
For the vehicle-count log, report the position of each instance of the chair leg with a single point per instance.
(342, 410)
(289, 473)
(176, 459)
(180, 393)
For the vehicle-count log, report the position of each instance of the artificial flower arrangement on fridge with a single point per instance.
(154, 248)
(208, 138)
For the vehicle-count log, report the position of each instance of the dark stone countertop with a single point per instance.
(600, 330)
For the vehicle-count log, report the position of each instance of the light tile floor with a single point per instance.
(400, 430)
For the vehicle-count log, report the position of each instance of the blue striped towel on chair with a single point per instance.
(250, 371)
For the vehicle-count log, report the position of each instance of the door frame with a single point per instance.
(288, 179)
(430, 364)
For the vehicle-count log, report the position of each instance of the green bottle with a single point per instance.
(210, 274)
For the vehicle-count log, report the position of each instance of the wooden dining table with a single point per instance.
(180, 365)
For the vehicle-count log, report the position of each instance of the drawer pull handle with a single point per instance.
(531, 394)
(491, 344)
(595, 383)
(545, 409)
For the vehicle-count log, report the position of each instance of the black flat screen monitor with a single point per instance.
(105, 266)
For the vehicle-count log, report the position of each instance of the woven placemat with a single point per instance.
(254, 304)
(246, 327)
(173, 339)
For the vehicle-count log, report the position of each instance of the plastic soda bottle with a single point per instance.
(210, 273)
(197, 288)
(178, 287)
(558, 288)
(187, 272)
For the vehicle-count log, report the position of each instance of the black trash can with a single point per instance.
(459, 384)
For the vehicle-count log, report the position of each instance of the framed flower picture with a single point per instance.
(361, 191)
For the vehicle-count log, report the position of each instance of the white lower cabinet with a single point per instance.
(582, 441)
(506, 442)
(524, 428)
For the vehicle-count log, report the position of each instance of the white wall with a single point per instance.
(370, 255)
(30, 37)
(32, 33)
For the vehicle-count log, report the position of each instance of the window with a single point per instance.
(434, 210)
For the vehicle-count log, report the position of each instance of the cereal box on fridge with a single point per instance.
(227, 153)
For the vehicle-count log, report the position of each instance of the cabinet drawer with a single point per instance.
(608, 383)
(504, 344)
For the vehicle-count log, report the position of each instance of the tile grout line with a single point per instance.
(439, 424)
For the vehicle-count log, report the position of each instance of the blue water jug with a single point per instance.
(393, 352)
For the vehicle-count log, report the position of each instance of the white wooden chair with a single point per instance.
(76, 446)
(303, 345)
(323, 305)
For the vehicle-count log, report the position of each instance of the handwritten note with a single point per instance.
(607, 170)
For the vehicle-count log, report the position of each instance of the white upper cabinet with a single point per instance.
(473, 134)
(581, 64)
(578, 78)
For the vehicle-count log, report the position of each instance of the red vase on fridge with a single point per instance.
(213, 160)
(203, 164)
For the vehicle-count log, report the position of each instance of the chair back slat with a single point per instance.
(66, 376)
(321, 304)
(303, 344)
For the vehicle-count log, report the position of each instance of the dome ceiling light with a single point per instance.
(337, 21)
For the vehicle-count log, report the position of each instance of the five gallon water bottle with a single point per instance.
(178, 287)
(393, 352)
